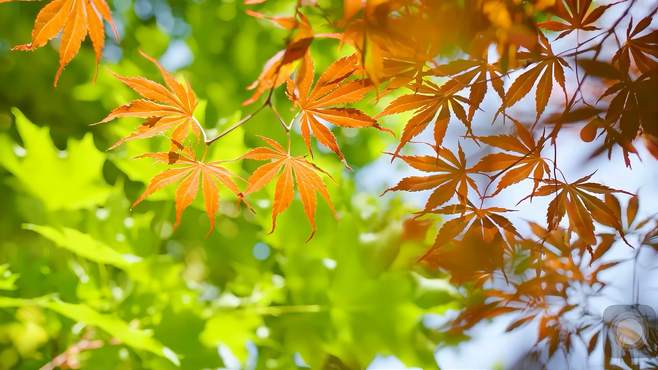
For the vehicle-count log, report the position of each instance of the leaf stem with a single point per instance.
(203, 132)
(281, 120)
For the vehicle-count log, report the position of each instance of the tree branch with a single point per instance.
(236, 125)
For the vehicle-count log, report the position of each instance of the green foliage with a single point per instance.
(42, 161)
(7, 278)
(77, 262)
(134, 338)
(84, 246)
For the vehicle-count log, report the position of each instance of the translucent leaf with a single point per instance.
(114, 326)
(70, 179)
(84, 246)
(7, 278)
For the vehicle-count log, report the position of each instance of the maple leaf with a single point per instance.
(290, 170)
(517, 167)
(189, 172)
(548, 67)
(488, 223)
(395, 42)
(473, 73)
(631, 110)
(633, 106)
(577, 15)
(374, 35)
(577, 201)
(74, 19)
(552, 262)
(452, 178)
(164, 108)
(280, 66)
(590, 130)
(643, 49)
(318, 104)
(633, 224)
(431, 103)
(468, 259)
(286, 23)
(561, 243)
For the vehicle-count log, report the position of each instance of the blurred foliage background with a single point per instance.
(79, 267)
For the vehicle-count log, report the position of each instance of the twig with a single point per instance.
(236, 125)
(69, 358)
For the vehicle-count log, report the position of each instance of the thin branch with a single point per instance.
(69, 358)
(236, 125)
(281, 120)
(268, 101)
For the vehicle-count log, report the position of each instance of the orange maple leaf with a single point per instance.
(394, 43)
(318, 104)
(278, 68)
(290, 169)
(431, 103)
(517, 167)
(488, 223)
(469, 259)
(452, 178)
(577, 15)
(164, 108)
(549, 66)
(75, 19)
(577, 201)
(473, 73)
(643, 49)
(189, 172)
(631, 110)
